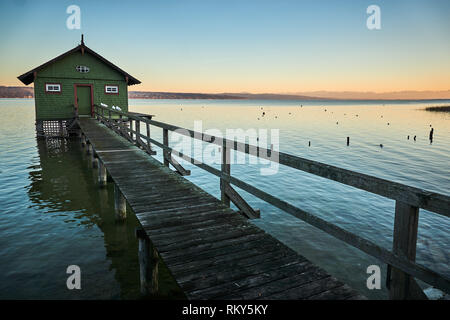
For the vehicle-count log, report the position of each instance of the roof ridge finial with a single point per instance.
(82, 39)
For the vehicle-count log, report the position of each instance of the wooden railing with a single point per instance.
(402, 268)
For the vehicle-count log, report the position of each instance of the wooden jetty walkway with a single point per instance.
(212, 251)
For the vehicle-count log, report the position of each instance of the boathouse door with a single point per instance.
(84, 99)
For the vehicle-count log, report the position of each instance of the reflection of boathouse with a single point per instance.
(64, 187)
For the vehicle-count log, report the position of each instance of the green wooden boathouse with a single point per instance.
(69, 85)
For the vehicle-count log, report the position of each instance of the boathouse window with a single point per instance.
(52, 87)
(112, 89)
(82, 69)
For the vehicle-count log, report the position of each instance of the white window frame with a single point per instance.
(111, 89)
(52, 87)
(83, 69)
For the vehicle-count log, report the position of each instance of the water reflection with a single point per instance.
(64, 185)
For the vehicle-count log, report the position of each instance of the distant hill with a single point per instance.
(274, 96)
(176, 95)
(27, 92)
(16, 92)
(394, 95)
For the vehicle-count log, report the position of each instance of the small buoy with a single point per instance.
(388, 123)
(408, 137)
(381, 146)
(309, 144)
(414, 138)
(337, 122)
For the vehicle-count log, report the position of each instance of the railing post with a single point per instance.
(138, 132)
(148, 136)
(109, 116)
(166, 153)
(226, 168)
(131, 128)
(401, 285)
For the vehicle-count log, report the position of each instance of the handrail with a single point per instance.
(427, 200)
(403, 194)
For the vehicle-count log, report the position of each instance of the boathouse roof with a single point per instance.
(28, 77)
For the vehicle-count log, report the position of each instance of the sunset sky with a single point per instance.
(241, 46)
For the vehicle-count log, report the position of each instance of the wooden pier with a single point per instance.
(212, 251)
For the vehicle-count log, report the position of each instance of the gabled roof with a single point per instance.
(28, 77)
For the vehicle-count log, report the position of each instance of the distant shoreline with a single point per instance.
(28, 92)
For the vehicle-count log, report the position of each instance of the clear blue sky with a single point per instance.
(229, 46)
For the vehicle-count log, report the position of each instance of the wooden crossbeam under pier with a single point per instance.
(211, 251)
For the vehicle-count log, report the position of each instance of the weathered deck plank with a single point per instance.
(212, 252)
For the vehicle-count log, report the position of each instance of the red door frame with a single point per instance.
(92, 95)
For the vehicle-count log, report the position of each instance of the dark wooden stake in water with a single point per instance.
(348, 141)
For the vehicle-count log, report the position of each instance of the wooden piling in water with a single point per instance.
(155, 271)
(94, 159)
(145, 276)
(102, 174)
(89, 148)
(120, 204)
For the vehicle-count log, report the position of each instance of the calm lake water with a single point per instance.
(53, 214)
